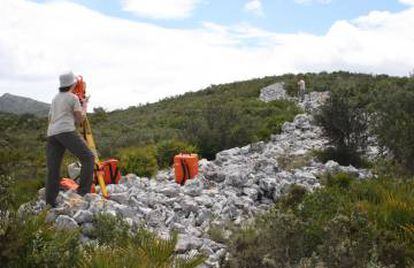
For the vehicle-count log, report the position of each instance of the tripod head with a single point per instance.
(80, 90)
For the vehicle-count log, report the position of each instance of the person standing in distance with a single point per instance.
(301, 89)
(64, 115)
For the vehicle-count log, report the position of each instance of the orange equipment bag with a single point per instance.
(111, 171)
(67, 184)
(185, 167)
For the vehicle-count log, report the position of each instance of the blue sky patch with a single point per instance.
(282, 16)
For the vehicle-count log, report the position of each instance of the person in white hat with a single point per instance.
(65, 113)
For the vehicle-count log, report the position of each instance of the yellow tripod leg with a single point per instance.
(87, 134)
(102, 184)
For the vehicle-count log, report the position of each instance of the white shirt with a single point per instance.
(61, 114)
(301, 84)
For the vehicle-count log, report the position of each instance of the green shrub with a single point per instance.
(389, 168)
(349, 240)
(349, 223)
(34, 243)
(394, 124)
(119, 247)
(110, 230)
(388, 202)
(244, 254)
(139, 160)
(294, 197)
(291, 86)
(7, 196)
(345, 123)
(342, 180)
(167, 149)
(217, 234)
(26, 190)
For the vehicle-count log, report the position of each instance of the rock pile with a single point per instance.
(273, 92)
(239, 184)
(276, 91)
(314, 100)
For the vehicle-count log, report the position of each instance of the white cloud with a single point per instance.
(160, 9)
(126, 63)
(323, 2)
(255, 7)
(407, 2)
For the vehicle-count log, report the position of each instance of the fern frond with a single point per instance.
(191, 261)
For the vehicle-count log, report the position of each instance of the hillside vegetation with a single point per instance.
(348, 223)
(146, 137)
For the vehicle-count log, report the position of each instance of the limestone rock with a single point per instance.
(82, 216)
(273, 92)
(64, 222)
(186, 243)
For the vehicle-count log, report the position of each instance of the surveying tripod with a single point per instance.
(86, 132)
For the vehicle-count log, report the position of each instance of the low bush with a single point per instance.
(33, 243)
(148, 159)
(7, 195)
(120, 247)
(167, 149)
(344, 120)
(294, 197)
(110, 230)
(341, 180)
(394, 124)
(348, 223)
(217, 234)
(139, 160)
(26, 190)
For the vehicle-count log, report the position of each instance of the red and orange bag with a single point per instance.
(185, 167)
(112, 173)
(109, 169)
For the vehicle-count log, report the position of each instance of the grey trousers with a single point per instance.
(56, 146)
(301, 94)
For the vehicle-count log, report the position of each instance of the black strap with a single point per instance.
(113, 175)
(116, 174)
(186, 172)
(95, 173)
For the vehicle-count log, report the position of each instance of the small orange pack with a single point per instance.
(67, 184)
(185, 167)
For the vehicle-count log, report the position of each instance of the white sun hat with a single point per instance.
(67, 79)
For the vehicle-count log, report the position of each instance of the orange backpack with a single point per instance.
(111, 171)
(185, 167)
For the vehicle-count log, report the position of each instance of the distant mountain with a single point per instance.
(21, 105)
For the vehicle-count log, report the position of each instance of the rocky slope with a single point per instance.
(20, 105)
(239, 184)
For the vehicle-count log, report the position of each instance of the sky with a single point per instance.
(133, 52)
